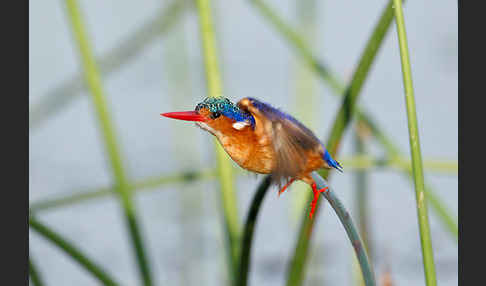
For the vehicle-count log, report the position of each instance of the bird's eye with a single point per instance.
(215, 114)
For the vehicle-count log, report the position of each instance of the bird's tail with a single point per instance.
(331, 162)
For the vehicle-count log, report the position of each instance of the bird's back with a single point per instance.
(295, 150)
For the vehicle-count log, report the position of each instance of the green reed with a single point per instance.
(248, 231)
(68, 248)
(327, 75)
(93, 80)
(34, 275)
(417, 169)
(351, 230)
(239, 260)
(224, 166)
(297, 264)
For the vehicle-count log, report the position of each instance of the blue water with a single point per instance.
(186, 245)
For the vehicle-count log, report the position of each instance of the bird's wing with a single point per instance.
(290, 138)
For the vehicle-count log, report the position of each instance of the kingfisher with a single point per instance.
(264, 140)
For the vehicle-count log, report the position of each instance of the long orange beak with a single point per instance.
(185, 115)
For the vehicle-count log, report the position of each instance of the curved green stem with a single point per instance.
(34, 275)
(328, 76)
(72, 251)
(225, 173)
(245, 256)
(341, 122)
(351, 230)
(93, 80)
(297, 264)
(418, 175)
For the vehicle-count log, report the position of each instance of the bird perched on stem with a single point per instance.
(263, 139)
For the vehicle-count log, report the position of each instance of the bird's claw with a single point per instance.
(286, 186)
(316, 197)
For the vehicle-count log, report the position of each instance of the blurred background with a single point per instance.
(150, 57)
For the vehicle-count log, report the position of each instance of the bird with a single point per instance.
(263, 139)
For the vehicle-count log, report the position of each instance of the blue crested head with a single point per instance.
(223, 106)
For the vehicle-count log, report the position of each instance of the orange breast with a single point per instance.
(249, 152)
(256, 154)
(253, 149)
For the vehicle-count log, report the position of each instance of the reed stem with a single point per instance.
(297, 265)
(417, 169)
(224, 167)
(326, 74)
(251, 219)
(93, 80)
(350, 228)
(303, 50)
(34, 275)
(72, 251)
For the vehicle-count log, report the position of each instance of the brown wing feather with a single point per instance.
(291, 140)
(292, 146)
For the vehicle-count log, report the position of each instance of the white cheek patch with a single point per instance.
(240, 125)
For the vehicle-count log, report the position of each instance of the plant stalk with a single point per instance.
(367, 58)
(224, 167)
(251, 219)
(350, 228)
(417, 169)
(297, 265)
(93, 80)
(34, 275)
(72, 251)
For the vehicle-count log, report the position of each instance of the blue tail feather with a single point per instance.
(331, 162)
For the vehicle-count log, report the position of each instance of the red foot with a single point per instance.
(286, 186)
(316, 197)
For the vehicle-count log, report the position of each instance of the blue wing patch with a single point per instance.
(331, 162)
